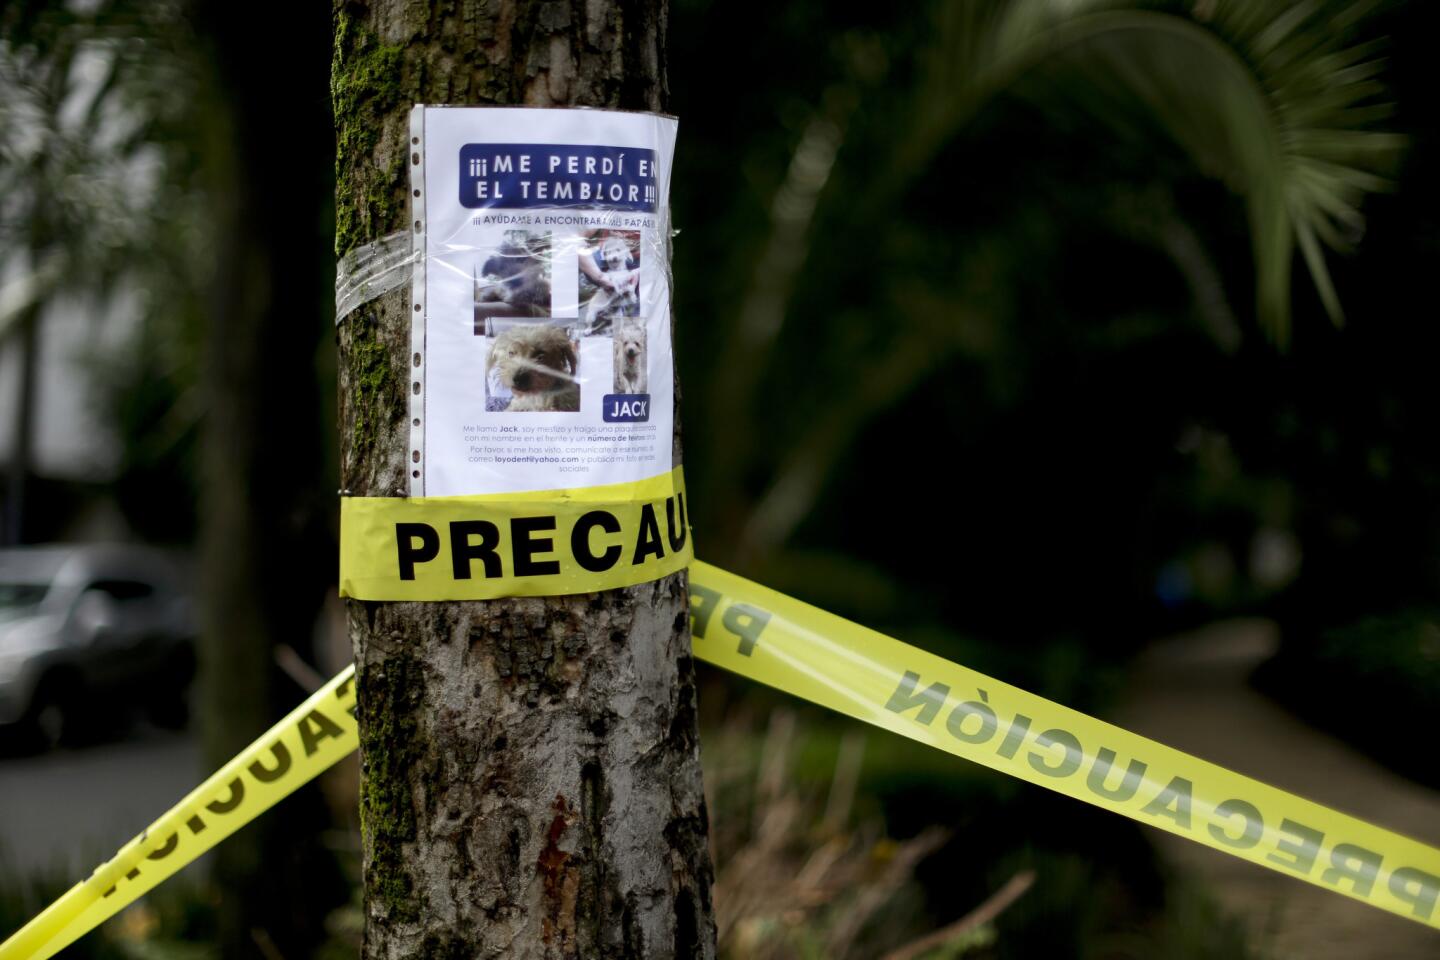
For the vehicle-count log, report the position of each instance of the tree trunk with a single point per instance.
(22, 448)
(531, 776)
(266, 486)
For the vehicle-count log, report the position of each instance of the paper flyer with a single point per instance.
(542, 328)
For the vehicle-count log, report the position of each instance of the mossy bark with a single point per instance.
(531, 778)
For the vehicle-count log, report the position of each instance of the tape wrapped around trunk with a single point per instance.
(544, 543)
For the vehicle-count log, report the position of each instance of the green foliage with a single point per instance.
(1323, 90)
(1365, 681)
(90, 153)
(104, 201)
(1399, 652)
(867, 276)
(1277, 101)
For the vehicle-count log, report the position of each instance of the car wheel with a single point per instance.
(49, 725)
(53, 713)
(170, 713)
(169, 705)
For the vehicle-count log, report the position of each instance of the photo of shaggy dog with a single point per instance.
(630, 362)
(514, 281)
(610, 280)
(534, 366)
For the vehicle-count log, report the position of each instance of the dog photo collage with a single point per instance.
(534, 357)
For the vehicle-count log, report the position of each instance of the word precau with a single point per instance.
(557, 542)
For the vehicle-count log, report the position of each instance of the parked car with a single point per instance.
(89, 634)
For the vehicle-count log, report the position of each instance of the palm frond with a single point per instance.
(82, 155)
(1277, 100)
(1324, 87)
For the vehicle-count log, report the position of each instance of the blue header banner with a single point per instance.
(520, 175)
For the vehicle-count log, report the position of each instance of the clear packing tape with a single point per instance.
(518, 281)
(816, 656)
(372, 270)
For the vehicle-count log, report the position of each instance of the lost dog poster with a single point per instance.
(541, 341)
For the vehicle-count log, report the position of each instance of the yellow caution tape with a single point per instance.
(817, 656)
(317, 734)
(804, 651)
(544, 543)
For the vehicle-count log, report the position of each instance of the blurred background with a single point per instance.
(1082, 342)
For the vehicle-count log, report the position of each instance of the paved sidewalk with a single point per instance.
(1191, 692)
